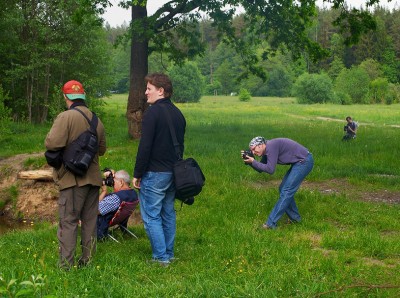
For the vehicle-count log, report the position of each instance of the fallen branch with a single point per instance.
(46, 175)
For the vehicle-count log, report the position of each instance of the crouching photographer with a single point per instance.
(109, 202)
(281, 151)
(350, 129)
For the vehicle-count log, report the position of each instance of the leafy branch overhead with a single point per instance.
(172, 28)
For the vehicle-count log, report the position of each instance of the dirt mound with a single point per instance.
(36, 200)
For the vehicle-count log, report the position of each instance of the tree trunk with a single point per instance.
(29, 91)
(138, 70)
(45, 105)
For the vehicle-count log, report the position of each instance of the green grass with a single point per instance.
(343, 247)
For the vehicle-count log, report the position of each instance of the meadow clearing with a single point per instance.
(347, 245)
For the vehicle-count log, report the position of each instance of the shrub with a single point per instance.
(244, 95)
(393, 95)
(214, 89)
(188, 83)
(354, 82)
(372, 68)
(378, 90)
(313, 88)
(343, 98)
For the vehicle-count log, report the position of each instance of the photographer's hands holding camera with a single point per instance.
(108, 180)
(247, 156)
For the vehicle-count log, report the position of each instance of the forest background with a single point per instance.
(38, 53)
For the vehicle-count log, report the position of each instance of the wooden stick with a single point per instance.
(46, 175)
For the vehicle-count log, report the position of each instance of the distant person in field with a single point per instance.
(350, 129)
(281, 151)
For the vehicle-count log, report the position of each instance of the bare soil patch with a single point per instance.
(342, 186)
(36, 200)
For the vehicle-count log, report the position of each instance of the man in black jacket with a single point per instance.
(154, 163)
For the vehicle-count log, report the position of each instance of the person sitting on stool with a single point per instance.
(109, 203)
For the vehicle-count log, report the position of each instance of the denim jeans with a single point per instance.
(289, 185)
(157, 195)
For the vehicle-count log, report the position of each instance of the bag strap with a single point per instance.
(173, 134)
(93, 123)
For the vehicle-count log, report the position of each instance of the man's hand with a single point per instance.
(136, 182)
(247, 159)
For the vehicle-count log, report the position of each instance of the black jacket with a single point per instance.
(156, 151)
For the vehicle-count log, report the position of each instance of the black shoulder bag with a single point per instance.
(188, 177)
(79, 154)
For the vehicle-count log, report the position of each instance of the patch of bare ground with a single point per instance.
(37, 200)
(341, 186)
(316, 245)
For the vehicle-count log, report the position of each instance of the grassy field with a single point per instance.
(344, 247)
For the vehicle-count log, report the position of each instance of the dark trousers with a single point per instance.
(74, 204)
(103, 224)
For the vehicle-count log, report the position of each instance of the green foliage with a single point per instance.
(391, 65)
(188, 83)
(378, 90)
(335, 68)
(355, 83)
(393, 94)
(244, 95)
(48, 45)
(373, 68)
(5, 113)
(35, 287)
(226, 75)
(313, 88)
(121, 62)
(343, 98)
(213, 89)
(279, 82)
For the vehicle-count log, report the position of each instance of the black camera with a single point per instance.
(345, 127)
(247, 153)
(109, 179)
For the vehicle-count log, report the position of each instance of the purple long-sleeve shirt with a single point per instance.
(281, 151)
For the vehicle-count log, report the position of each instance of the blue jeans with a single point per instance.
(157, 195)
(289, 186)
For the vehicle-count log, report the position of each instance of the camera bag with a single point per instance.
(54, 158)
(79, 154)
(188, 176)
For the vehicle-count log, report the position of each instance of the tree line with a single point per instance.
(373, 64)
(45, 43)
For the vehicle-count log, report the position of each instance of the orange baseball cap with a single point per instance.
(73, 90)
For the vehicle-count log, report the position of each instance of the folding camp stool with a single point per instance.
(121, 217)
